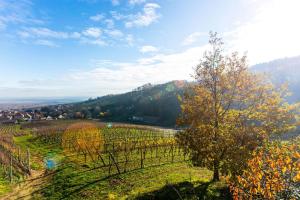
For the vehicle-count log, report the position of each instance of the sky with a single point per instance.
(90, 48)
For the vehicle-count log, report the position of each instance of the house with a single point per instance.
(49, 118)
(18, 115)
(136, 118)
(145, 119)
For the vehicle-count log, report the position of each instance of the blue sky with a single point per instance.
(60, 48)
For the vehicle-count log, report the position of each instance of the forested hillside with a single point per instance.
(148, 104)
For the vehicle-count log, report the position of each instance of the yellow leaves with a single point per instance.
(297, 177)
(297, 155)
(82, 137)
(239, 178)
(111, 196)
(284, 169)
(273, 169)
(288, 161)
(253, 190)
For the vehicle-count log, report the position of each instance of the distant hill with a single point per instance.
(148, 104)
(281, 71)
(158, 104)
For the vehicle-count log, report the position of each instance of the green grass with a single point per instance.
(5, 186)
(80, 182)
(36, 147)
(38, 150)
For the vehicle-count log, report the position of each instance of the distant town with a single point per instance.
(29, 115)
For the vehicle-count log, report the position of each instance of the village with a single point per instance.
(18, 116)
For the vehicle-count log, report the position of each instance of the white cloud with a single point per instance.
(115, 2)
(148, 48)
(272, 33)
(97, 17)
(43, 33)
(114, 33)
(91, 35)
(75, 35)
(2, 25)
(92, 32)
(46, 43)
(147, 17)
(133, 2)
(16, 12)
(192, 38)
(24, 34)
(117, 16)
(150, 60)
(96, 41)
(109, 23)
(107, 77)
(129, 39)
(114, 77)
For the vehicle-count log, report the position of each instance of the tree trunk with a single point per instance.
(216, 171)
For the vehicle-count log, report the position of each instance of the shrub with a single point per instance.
(272, 173)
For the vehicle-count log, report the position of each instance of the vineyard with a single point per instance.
(76, 155)
(14, 161)
(73, 158)
(117, 149)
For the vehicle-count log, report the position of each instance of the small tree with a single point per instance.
(230, 111)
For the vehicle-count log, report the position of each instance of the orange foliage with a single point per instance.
(272, 173)
(83, 137)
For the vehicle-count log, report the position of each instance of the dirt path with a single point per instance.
(27, 188)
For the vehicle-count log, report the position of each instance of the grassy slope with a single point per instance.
(4, 186)
(38, 150)
(163, 182)
(73, 181)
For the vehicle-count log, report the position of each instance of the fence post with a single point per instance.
(28, 161)
(19, 154)
(10, 170)
(142, 160)
(172, 153)
(109, 163)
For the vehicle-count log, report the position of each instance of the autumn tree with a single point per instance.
(230, 111)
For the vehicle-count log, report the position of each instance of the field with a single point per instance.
(93, 160)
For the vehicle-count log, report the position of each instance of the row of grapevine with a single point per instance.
(14, 161)
(118, 149)
(127, 155)
(11, 130)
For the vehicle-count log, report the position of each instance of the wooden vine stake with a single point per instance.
(28, 162)
(10, 170)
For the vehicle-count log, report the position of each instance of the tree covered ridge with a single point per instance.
(148, 104)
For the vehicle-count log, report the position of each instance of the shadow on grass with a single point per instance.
(73, 182)
(187, 190)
